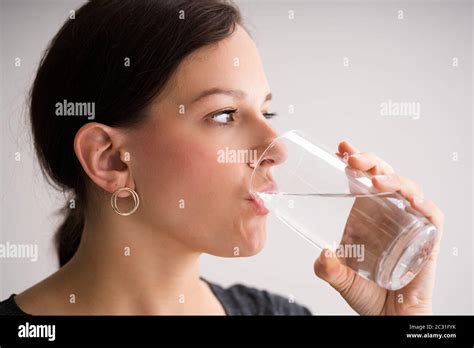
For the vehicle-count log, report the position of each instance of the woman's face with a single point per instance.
(188, 189)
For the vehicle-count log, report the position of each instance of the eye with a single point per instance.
(224, 117)
(269, 115)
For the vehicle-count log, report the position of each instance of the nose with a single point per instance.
(274, 155)
(263, 136)
(271, 152)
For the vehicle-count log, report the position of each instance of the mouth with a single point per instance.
(257, 202)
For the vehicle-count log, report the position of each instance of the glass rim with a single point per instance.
(315, 148)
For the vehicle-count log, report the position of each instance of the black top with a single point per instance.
(237, 299)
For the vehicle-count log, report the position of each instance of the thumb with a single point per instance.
(330, 269)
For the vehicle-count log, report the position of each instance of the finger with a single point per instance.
(369, 162)
(395, 182)
(330, 269)
(435, 215)
(346, 147)
(428, 209)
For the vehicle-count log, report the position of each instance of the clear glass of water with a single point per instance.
(331, 205)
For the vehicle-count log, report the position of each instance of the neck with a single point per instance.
(130, 268)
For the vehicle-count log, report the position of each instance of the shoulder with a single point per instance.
(239, 299)
(9, 307)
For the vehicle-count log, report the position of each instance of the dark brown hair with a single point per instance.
(87, 62)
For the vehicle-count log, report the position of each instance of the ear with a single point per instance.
(100, 150)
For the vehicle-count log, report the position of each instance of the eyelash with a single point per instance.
(267, 115)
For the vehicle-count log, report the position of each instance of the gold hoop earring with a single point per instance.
(113, 201)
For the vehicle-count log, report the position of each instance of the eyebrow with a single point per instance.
(236, 93)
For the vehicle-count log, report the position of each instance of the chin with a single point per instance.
(249, 239)
(252, 241)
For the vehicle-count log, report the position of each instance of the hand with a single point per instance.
(365, 296)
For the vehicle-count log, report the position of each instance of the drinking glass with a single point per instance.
(314, 192)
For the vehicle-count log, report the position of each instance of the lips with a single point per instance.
(257, 202)
(258, 205)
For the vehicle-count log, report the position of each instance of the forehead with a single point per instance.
(232, 63)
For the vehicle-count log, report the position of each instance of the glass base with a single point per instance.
(406, 257)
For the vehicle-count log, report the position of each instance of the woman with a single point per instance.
(167, 85)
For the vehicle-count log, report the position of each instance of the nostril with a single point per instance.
(267, 161)
(263, 163)
(253, 163)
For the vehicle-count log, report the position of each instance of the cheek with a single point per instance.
(189, 193)
(174, 173)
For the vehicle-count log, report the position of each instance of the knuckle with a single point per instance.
(417, 188)
(389, 168)
(397, 178)
(343, 283)
(370, 155)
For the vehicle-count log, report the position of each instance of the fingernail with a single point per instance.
(417, 200)
(328, 254)
(382, 177)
